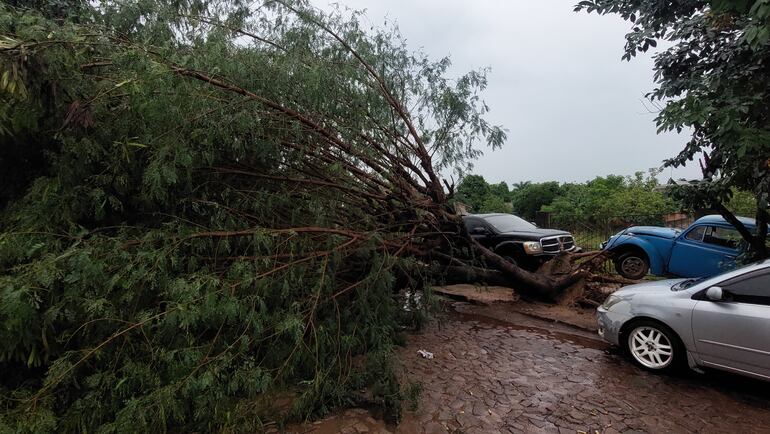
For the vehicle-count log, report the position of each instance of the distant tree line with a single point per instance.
(599, 200)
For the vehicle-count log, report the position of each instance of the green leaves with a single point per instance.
(757, 33)
(149, 279)
(12, 84)
(714, 81)
(757, 36)
(605, 198)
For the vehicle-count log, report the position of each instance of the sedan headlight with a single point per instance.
(533, 247)
(611, 300)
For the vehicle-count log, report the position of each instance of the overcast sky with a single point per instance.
(573, 109)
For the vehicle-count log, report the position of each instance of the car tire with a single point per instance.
(653, 346)
(632, 265)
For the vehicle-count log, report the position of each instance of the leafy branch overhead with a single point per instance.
(714, 81)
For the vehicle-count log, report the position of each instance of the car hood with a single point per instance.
(654, 287)
(536, 234)
(655, 231)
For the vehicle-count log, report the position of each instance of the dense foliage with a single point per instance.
(193, 205)
(600, 200)
(478, 196)
(634, 199)
(530, 198)
(714, 79)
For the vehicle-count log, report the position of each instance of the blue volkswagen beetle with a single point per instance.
(709, 246)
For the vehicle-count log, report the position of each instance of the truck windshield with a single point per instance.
(509, 223)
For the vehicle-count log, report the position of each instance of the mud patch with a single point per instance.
(584, 318)
(495, 296)
(485, 295)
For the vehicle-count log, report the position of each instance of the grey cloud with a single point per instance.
(573, 108)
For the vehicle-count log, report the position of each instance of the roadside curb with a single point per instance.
(459, 297)
(554, 320)
(471, 300)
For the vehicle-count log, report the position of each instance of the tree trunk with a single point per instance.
(557, 281)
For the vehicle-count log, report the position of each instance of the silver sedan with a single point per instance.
(721, 322)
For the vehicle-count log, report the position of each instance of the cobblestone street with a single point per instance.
(499, 371)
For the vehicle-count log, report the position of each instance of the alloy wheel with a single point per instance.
(650, 347)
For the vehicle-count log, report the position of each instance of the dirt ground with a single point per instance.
(478, 294)
(498, 370)
(491, 295)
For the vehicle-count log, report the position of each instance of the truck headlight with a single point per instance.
(533, 247)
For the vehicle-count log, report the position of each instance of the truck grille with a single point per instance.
(561, 243)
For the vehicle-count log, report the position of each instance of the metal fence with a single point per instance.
(590, 234)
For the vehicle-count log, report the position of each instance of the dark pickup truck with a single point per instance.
(518, 240)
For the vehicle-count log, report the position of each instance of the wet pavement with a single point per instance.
(498, 371)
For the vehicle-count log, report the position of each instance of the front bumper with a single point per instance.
(550, 255)
(609, 241)
(609, 324)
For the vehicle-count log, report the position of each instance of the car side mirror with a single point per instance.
(478, 230)
(715, 293)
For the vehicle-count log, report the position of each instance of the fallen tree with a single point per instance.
(214, 205)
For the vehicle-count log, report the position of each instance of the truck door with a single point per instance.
(479, 231)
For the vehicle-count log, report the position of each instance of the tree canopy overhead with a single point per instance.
(714, 80)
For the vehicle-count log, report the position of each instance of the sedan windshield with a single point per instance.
(689, 283)
(509, 223)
